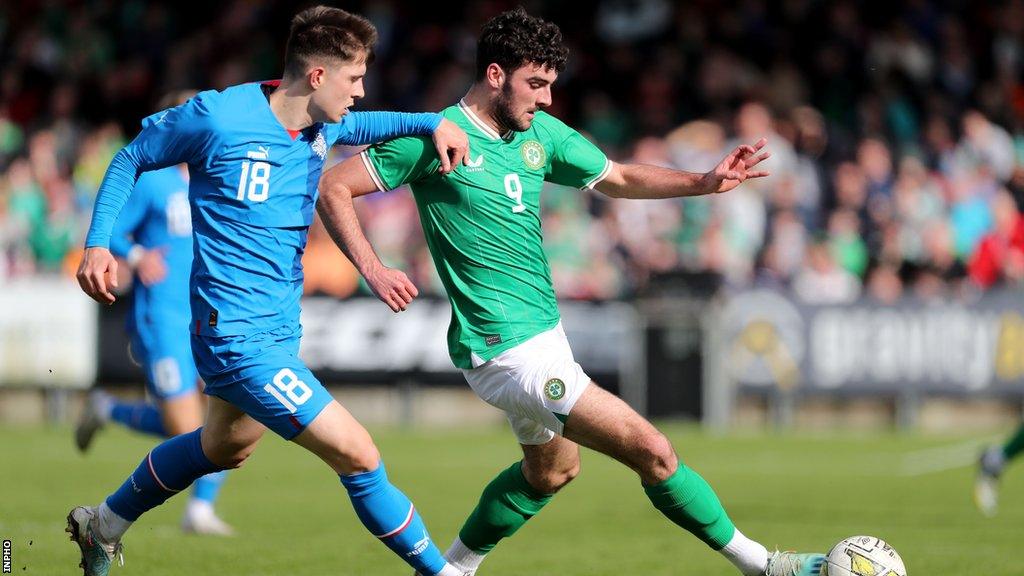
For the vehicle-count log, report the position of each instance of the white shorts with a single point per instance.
(536, 384)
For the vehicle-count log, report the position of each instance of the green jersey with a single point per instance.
(483, 224)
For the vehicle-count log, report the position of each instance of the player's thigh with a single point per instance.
(602, 421)
(340, 441)
(263, 377)
(537, 382)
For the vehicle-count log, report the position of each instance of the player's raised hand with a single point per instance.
(393, 287)
(736, 168)
(151, 267)
(452, 145)
(97, 274)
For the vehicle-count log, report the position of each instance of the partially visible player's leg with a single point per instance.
(180, 414)
(173, 380)
(162, 372)
(990, 467)
(264, 376)
(523, 381)
(166, 360)
(172, 466)
(603, 422)
(344, 445)
(516, 494)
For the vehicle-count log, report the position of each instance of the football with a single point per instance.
(863, 556)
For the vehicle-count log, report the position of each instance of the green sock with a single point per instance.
(505, 505)
(1015, 445)
(686, 499)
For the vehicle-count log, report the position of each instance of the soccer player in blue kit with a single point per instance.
(153, 234)
(255, 153)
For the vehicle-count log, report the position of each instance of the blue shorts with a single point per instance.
(262, 375)
(166, 358)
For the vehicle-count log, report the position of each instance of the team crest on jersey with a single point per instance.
(554, 389)
(320, 146)
(533, 154)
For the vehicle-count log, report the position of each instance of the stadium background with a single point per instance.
(897, 132)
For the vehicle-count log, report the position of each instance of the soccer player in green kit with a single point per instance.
(483, 228)
(990, 467)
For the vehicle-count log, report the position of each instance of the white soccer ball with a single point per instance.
(863, 556)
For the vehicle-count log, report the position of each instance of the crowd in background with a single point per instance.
(897, 133)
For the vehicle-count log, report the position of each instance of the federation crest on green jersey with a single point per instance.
(554, 389)
(533, 153)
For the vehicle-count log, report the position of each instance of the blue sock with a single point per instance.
(207, 487)
(164, 472)
(389, 515)
(142, 416)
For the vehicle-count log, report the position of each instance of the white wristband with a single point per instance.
(134, 255)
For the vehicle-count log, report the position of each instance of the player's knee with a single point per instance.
(657, 457)
(363, 460)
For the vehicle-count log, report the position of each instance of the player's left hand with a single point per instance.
(452, 145)
(393, 287)
(736, 167)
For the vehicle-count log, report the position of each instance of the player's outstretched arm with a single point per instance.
(337, 187)
(645, 181)
(451, 142)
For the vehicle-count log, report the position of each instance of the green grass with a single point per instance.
(293, 517)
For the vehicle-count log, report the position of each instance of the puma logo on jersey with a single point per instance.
(475, 165)
(263, 153)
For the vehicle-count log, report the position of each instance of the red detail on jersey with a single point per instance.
(295, 422)
(294, 133)
(197, 327)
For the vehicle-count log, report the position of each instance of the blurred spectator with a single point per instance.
(822, 281)
(1000, 254)
(896, 140)
(884, 285)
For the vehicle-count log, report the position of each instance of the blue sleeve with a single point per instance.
(176, 135)
(371, 127)
(129, 220)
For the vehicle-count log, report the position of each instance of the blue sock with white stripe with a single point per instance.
(139, 416)
(168, 469)
(389, 515)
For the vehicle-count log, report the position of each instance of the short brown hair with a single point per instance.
(325, 32)
(514, 39)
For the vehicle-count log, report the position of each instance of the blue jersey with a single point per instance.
(157, 216)
(252, 190)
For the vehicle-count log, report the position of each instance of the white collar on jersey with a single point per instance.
(479, 123)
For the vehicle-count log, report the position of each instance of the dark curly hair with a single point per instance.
(325, 32)
(514, 38)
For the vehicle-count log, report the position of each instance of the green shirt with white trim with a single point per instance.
(483, 224)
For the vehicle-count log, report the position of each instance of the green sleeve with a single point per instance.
(577, 162)
(401, 161)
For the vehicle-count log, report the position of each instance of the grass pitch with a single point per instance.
(293, 517)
